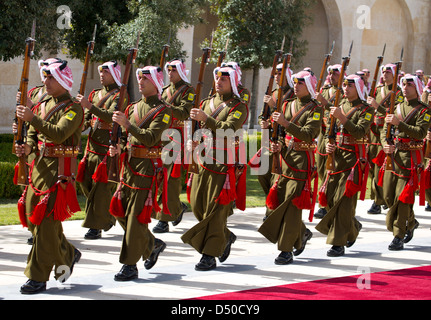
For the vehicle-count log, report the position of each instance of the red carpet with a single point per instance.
(404, 284)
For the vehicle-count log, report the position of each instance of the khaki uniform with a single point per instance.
(382, 96)
(97, 189)
(284, 224)
(56, 131)
(210, 235)
(137, 192)
(180, 96)
(349, 175)
(399, 186)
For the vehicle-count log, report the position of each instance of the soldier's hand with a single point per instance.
(372, 102)
(14, 127)
(83, 101)
(22, 150)
(392, 119)
(24, 113)
(198, 115)
(268, 99)
(120, 118)
(113, 151)
(389, 149)
(280, 119)
(321, 99)
(275, 147)
(330, 148)
(265, 124)
(428, 135)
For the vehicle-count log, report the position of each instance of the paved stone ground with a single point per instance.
(250, 265)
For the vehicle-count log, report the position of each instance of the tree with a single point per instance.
(256, 30)
(15, 26)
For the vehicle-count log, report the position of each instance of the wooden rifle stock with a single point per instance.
(193, 167)
(164, 55)
(266, 109)
(276, 166)
(89, 53)
(324, 66)
(389, 137)
(21, 135)
(114, 172)
(330, 164)
(376, 73)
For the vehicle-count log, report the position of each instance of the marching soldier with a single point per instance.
(219, 181)
(375, 151)
(326, 98)
(136, 195)
(265, 180)
(54, 136)
(35, 96)
(411, 120)
(340, 187)
(92, 174)
(292, 190)
(180, 95)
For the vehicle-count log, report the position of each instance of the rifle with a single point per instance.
(324, 67)
(193, 167)
(113, 174)
(332, 131)
(90, 50)
(376, 73)
(276, 166)
(165, 51)
(389, 137)
(266, 109)
(221, 57)
(21, 135)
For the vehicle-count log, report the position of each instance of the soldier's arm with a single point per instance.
(106, 114)
(64, 128)
(362, 127)
(181, 111)
(310, 130)
(234, 120)
(150, 136)
(419, 130)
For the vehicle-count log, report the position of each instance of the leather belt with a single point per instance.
(59, 151)
(409, 146)
(300, 145)
(351, 140)
(145, 153)
(101, 125)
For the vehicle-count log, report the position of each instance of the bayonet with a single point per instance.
(282, 44)
(384, 49)
(332, 48)
(350, 50)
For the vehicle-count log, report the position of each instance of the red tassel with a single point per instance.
(189, 186)
(228, 193)
(241, 190)
(303, 201)
(81, 169)
(101, 173)
(39, 211)
(323, 201)
(61, 212)
(145, 216)
(72, 199)
(15, 176)
(165, 191)
(21, 209)
(426, 176)
(380, 159)
(255, 161)
(351, 187)
(272, 198)
(116, 207)
(408, 193)
(422, 189)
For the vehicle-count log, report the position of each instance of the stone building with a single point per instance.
(368, 23)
